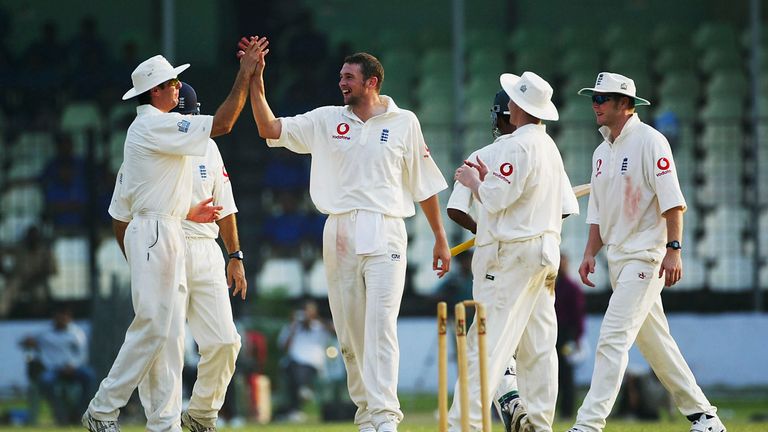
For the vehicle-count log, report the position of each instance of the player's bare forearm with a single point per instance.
(119, 227)
(230, 109)
(463, 220)
(594, 242)
(441, 254)
(269, 126)
(674, 219)
(235, 267)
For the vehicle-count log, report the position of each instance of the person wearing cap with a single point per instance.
(636, 211)
(156, 180)
(209, 313)
(369, 164)
(522, 190)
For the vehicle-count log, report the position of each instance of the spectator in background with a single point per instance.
(284, 231)
(31, 264)
(63, 353)
(88, 74)
(41, 79)
(64, 187)
(304, 342)
(570, 308)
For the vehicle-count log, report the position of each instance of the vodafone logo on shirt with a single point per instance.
(663, 165)
(506, 169)
(341, 131)
(598, 165)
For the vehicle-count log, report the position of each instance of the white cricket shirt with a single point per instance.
(526, 190)
(382, 165)
(210, 179)
(462, 199)
(634, 181)
(156, 177)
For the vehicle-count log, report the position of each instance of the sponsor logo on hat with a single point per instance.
(183, 125)
(623, 86)
(599, 79)
(523, 88)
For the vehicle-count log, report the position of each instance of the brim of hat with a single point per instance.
(508, 82)
(157, 79)
(590, 91)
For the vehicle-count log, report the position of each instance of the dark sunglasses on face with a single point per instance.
(601, 99)
(173, 82)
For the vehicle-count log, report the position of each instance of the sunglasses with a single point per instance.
(601, 99)
(173, 82)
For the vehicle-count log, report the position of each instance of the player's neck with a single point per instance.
(369, 107)
(619, 126)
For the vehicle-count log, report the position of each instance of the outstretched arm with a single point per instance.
(230, 109)
(269, 126)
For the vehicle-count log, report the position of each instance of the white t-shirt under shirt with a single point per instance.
(634, 181)
(382, 165)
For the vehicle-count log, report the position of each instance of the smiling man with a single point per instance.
(635, 209)
(369, 164)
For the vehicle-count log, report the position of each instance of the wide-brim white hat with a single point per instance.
(608, 82)
(531, 93)
(151, 72)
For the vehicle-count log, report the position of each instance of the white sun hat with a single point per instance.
(531, 93)
(608, 82)
(151, 72)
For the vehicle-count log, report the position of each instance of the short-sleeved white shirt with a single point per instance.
(156, 176)
(382, 165)
(526, 190)
(210, 179)
(634, 181)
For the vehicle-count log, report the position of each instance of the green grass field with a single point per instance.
(737, 411)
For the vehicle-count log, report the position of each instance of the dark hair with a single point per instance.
(370, 66)
(618, 96)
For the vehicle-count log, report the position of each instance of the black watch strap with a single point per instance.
(238, 255)
(674, 245)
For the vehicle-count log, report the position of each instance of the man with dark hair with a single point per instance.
(635, 208)
(369, 164)
(156, 180)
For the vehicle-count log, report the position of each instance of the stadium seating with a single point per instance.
(72, 277)
(281, 275)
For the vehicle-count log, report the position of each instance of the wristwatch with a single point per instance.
(238, 255)
(674, 245)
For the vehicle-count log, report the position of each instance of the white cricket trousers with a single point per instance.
(517, 289)
(635, 314)
(209, 315)
(154, 342)
(364, 292)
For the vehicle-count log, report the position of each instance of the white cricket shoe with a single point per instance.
(94, 425)
(707, 424)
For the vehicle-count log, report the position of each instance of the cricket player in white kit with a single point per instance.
(521, 191)
(460, 208)
(369, 164)
(635, 208)
(208, 309)
(157, 181)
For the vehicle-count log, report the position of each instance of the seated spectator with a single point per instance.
(64, 187)
(288, 227)
(62, 354)
(27, 267)
(304, 342)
